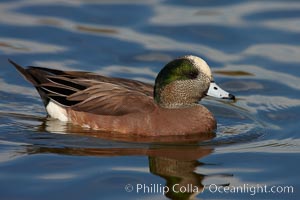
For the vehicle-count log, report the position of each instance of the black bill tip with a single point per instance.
(230, 96)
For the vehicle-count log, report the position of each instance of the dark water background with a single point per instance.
(252, 48)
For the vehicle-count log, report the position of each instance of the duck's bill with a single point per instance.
(217, 92)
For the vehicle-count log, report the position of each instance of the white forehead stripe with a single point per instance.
(200, 64)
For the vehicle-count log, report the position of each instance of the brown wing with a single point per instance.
(89, 92)
(110, 99)
(89, 79)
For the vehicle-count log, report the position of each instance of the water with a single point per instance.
(253, 50)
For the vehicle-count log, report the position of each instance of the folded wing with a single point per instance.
(89, 92)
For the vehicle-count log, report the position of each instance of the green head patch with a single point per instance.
(179, 69)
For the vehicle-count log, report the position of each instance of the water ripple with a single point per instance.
(251, 46)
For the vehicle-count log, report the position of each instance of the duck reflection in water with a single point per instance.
(173, 158)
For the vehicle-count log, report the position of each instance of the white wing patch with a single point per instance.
(57, 111)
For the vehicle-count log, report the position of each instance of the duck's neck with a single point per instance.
(168, 97)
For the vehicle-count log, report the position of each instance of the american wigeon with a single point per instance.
(128, 106)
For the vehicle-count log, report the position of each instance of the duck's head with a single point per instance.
(185, 81)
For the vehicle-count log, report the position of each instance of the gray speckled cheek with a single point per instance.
(174, 93)
(189, 91)
(203, 83)
(184, 92)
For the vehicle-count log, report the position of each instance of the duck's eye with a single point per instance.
(192, 75)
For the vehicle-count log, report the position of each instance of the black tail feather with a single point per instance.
(50, 83)
(30, 75)
(24, 72)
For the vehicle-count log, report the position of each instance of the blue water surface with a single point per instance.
(253, 49)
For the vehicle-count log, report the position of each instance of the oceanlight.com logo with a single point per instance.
(211, 188)
(250, 189)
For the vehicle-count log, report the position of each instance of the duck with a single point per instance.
(119, 105)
